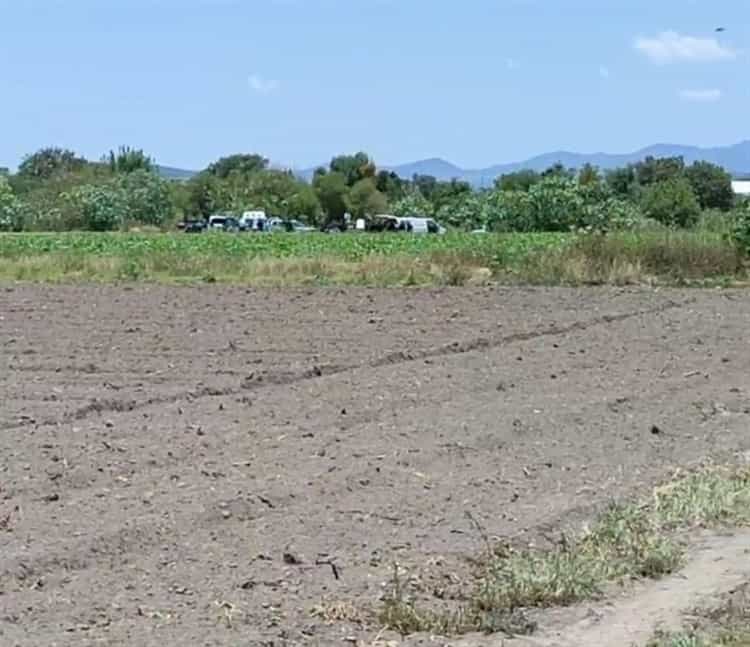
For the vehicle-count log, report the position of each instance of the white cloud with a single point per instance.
(262, 86)
(701, 96)
(604, 71)
(671, 47)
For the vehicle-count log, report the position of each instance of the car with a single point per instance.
(192, 226)
(411, 224)
(289, 225)
(221, 222)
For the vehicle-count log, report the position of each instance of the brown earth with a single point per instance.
(183, 466)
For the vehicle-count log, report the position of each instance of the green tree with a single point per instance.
(558, 170)
(202, 196)
(449, 193)
(364, 199)
(658, 169)
(147, 198)
(425, 184)
(332, 191)
(671, 202)
(49, 162)
(304, 202)
(243, 163)
(278, 193)
(589, 175)
(391, 185)
(521, 180)
(622, 181)
(127, 160)
(712, 185)
(353, 167)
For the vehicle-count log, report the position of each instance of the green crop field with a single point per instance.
(369, 259)
(347, 246)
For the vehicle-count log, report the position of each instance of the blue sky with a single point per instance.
(476, 82)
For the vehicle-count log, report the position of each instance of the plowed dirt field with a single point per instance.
(210, 466)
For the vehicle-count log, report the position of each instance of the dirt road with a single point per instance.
(184, 466)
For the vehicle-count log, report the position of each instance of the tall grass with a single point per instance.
(664, 256)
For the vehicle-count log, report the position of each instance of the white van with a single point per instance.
(422, 225)
(254, 221)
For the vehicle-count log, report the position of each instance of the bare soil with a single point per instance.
(218, 466)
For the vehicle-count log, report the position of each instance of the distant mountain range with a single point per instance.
(170, 173)
(735, 159)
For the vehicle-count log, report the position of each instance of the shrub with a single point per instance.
(100, 207)
(558, 203)
(612, 214)
(412, 204)
(466, 211)
(147, 198)
(740, 233)
(671, 202)
(712, 185)
(9, 211)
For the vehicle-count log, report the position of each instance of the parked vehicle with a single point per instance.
(411, 224)
(254, 221)
(423, 225)
(289, 225)
(222, 222)
(192, 226)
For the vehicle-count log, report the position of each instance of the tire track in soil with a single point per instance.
(122, 544)
(126, 537)
(97, 407)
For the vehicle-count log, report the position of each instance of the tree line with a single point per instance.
(56, 189)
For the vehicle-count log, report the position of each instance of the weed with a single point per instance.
(630, 541)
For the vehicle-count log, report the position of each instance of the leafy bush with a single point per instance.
(468, 211)
(412, 204)
(9, 211)
(556, 203)
(740, 233)
(146, 196)
(671, 202)
(100, 207)
(712, 185)
(612, 214)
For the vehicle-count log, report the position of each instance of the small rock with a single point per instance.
(292, 559)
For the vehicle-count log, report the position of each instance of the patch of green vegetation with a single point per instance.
(627, 542)
(373, 259)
